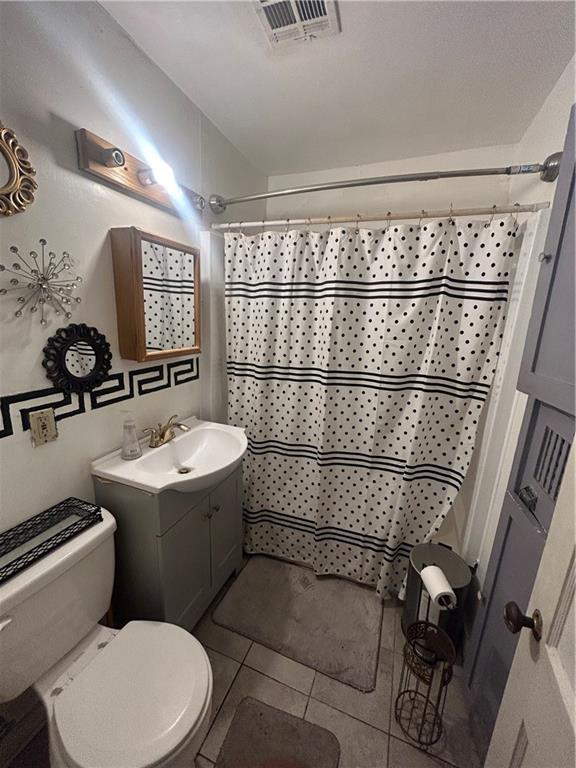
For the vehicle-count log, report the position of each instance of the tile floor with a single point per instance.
(363, 722)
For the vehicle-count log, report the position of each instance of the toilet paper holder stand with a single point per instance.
(418, 606)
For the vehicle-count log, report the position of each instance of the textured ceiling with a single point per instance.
(403, 79)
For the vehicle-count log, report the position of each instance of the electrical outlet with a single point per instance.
(43, 426)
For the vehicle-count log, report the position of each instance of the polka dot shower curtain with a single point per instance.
(359, 362)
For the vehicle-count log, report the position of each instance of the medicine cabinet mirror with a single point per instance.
(157, 285)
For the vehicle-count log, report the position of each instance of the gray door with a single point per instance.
(547, 376)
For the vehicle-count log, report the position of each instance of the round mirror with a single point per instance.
(80, 359)
(77, 358)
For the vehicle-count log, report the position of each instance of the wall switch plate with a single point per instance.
(43, 426)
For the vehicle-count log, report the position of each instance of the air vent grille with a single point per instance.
(310, 9)
(291, 21)
(280, 14)
(551, 463)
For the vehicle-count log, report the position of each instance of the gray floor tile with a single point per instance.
(456, 745)
(221, 639)
(251, 683)
(280, 667)
(373, 707)
(398, 634)
(224, 671)
(388, 625)
(361, 746)
(402, 755)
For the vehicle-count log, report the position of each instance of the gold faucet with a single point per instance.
(163, 434)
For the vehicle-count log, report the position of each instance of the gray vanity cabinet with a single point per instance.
(226, 529)
(184, 566)
(174, 551)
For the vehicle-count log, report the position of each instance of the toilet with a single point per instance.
(139, 697)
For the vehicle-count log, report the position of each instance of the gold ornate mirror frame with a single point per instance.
(18, 192)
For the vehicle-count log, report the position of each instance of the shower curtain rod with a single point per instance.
(548, 171)
(388, 216)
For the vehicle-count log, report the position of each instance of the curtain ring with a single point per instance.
(357, 230)
(387, 227)
(308, 224)
(422, 214)
(240, 229)
(287, 226)
(263, 225)
(451, 217)
(488, 224)
(516, 225)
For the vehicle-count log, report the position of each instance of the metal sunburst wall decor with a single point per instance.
(42, 281)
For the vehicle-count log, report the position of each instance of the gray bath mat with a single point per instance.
(264, 737)
(329, 624)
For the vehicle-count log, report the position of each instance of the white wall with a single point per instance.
(66, 66)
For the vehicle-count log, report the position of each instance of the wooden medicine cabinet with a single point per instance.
(157, 286)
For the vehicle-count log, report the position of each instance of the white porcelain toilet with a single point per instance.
(136, 698)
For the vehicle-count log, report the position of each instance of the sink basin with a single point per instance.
(191, 461)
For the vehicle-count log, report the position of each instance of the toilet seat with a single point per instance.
(137, 702)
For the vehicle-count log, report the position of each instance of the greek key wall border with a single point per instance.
(117, 388)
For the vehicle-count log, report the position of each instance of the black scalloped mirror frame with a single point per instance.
(55, 358)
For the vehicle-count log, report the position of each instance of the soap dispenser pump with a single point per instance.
(130, 444)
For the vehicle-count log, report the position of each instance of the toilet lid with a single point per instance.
(137, 700)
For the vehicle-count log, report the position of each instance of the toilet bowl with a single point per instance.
(139, 697)
(143, 701)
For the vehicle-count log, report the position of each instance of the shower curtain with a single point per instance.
(359, 362)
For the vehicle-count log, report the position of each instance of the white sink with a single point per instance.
(191, 461)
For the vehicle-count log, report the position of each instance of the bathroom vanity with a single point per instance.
(179, 534)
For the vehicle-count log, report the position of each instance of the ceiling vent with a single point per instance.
(290, 21)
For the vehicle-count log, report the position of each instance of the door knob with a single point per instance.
(515, 620)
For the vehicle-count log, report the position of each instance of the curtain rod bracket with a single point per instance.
(551, 167)
(217, 204)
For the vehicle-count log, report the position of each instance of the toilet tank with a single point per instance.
(46, 609)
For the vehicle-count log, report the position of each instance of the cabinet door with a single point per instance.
(226, 530)
(184, 557)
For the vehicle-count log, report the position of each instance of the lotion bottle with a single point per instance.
(130, 445)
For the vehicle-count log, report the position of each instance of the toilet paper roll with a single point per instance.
(438, 587)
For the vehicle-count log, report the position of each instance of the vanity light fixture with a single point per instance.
(42, 281)
(117, 168)
(146, 177)
(112, 157)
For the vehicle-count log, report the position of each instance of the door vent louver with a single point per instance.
(551, 463)
(290, 21)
